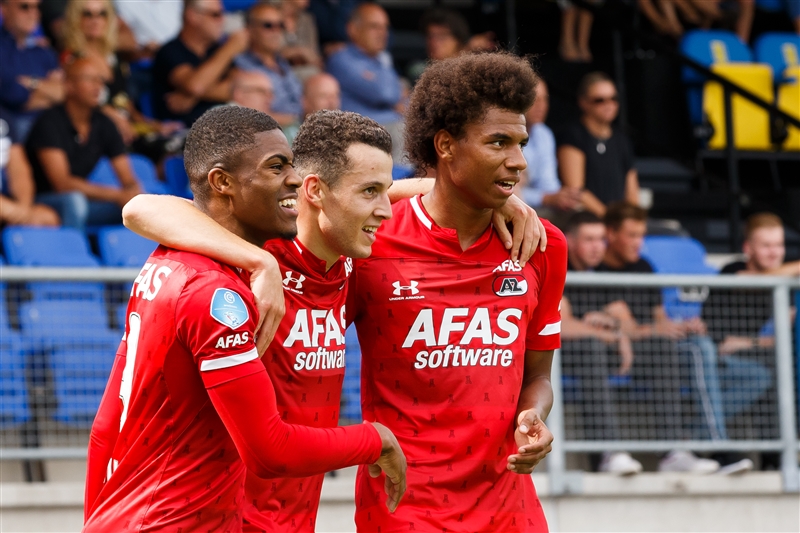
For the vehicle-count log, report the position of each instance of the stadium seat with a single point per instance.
(121, 316)
(351, 387)
(120, 247)
(144, 170)
(177, 180)
(13, 392)
(708, 47)
(750, 122)
(779, 50)
(237, 5)
(789, 102)
(79, 379)
(66, 324)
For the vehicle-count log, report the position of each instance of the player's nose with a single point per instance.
(515, 159)
(293, 179)
(384, 208)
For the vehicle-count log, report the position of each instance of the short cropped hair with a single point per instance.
(760, 220)
(580, 218)
(320, 146)
(618, 212)
(454, 92)
(450, 19)
(590, 79)
(217, 139)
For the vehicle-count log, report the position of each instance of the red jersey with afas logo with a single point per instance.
(306, 364)
(443, 335)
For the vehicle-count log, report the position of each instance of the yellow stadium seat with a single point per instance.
(750, 122)
(789, 102)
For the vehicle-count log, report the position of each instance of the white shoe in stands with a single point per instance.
(684, 461)
(620, 463)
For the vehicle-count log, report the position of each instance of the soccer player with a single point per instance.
(189, 404)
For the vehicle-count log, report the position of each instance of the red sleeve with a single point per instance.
(216, 320)
(105, 430)
(544, 329)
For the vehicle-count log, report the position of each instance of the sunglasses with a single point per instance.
(88, 14)
(604, 100)
(28, 7)
(269, 25)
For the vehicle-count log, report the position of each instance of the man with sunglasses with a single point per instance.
(190, 73)
(593, 156)
(30, 79)
(265, 26)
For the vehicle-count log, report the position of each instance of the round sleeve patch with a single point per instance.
(228, 308)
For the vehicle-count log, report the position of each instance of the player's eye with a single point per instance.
(497, 143)
(370, 190)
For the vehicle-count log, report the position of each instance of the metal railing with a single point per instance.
(776, 430)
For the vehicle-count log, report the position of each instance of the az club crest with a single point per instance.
(510, 285)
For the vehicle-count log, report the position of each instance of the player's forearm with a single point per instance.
(537, 395)
(409, 187)
(176, 223)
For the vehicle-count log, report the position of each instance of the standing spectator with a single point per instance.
(153, 22)
(588, 335)
(541, 187)
(30, 79)
(593, 155)
(17, 188)
(252, 89)
(370, 85)
(301, 46)
(576, 29)
(265, 26)
(190, 72)
(64, 146)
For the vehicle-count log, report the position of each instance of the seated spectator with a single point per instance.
(665, 15)
(30, 79)
(593, 156)
(17, 188)
(190, 72)
(587, 343)
(65, 145)
(764, 249)
(301, 46)
(265, 26)
(91, 33)
(332, 17)
(370, 85)
(253, 89)
(540, 185)
(722, 387)
(576, 29)
(320, 91)
(152, 22)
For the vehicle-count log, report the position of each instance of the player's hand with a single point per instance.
(534, 441)
(528, 229)
(393, 463)
(267, 286)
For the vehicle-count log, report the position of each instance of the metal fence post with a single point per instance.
(557, 459)
(785, 385)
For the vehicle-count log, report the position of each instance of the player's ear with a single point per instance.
(443, 143)
(314, 190)
(220, 181)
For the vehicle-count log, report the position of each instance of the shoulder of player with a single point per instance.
(556, 241)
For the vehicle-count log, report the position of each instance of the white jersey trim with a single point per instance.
(297, 246)
(420, 213)
(228, 361)
(551, 329)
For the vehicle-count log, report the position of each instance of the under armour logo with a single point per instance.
(411, 287)
(297, 281)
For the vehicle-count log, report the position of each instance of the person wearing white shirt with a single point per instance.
(153, 22)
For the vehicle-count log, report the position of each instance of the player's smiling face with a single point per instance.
(266, 199)
(357, 204)
(488, 159)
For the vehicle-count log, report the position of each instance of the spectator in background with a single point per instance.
(153, 22)
(190, 72)
(588, 338)
(17, 189)
(332, 17)
(265, 26)
(540, 185)
(253, 89)
(594, 156)
(66, 143)
(30, 78)
(764, 249)
(370, 85)
(576, 29)
(301, 40)
(320, 91)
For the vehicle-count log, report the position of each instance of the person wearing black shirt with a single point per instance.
(66, 143)
(593, 156)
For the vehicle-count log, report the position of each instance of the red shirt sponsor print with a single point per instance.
(443, 334)
(306, 364)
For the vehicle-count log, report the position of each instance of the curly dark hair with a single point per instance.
(321, 144)
(458, 91)
(217, 138)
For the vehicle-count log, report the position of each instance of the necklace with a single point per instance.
(601, 147)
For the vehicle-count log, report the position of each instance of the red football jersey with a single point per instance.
(443, 334)
(306, 364)
(190, 326)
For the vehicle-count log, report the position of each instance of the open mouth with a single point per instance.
(370, 230)
(289, 204)
(506, 185)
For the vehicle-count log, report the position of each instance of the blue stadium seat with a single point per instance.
(177, 179)
(121, 316)
(79, 379)
(13, 392)
(237, 5)
(708, 47)
(66, 324)
(120, 247)
(351, 387)
(779, 50)
(679, 255)
(144, 170)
